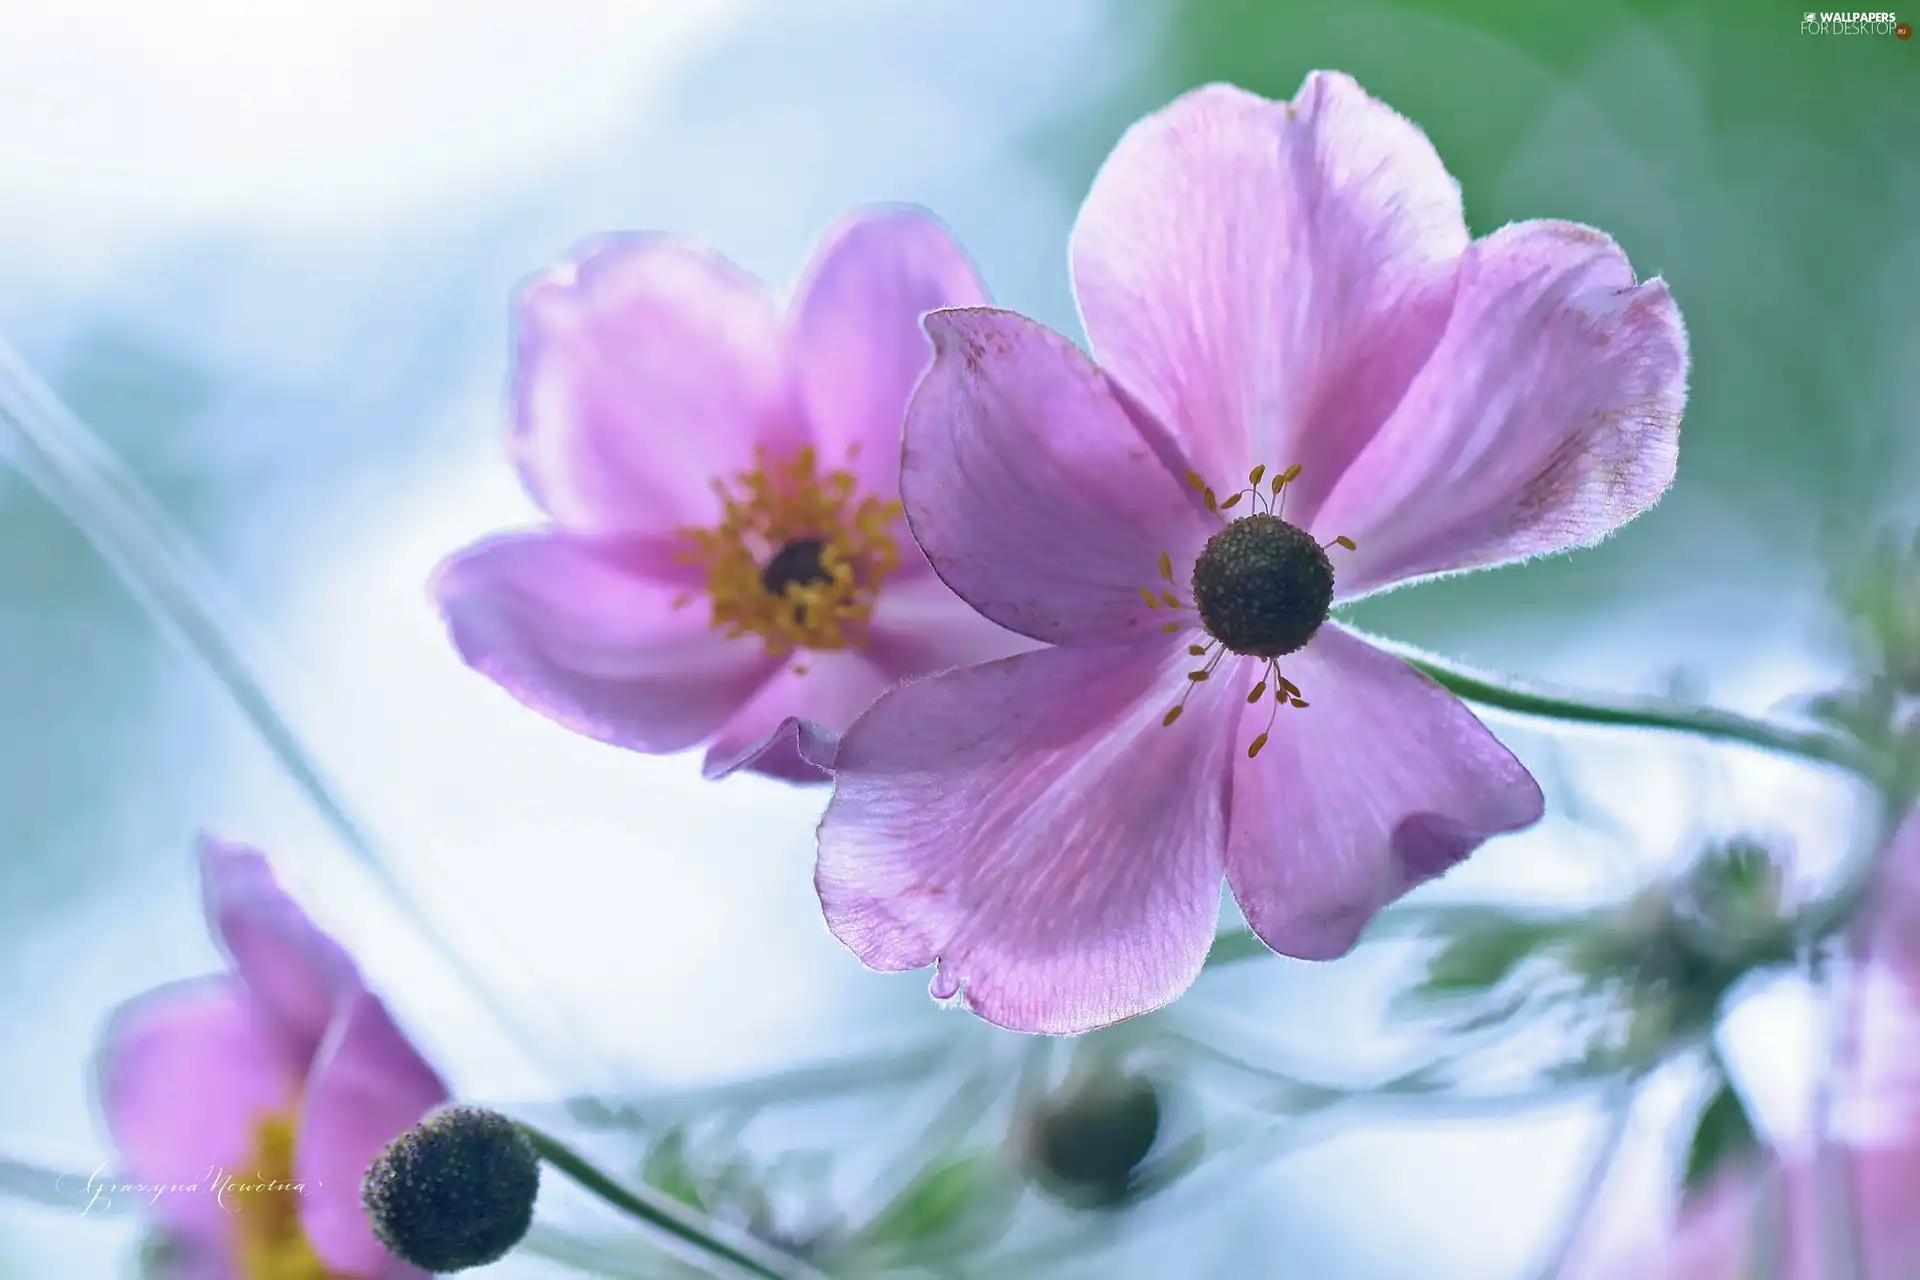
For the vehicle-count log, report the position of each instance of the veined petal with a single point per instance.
(186, 1074)
(298, 974)
(1032, 825)
(644, 370)
(367, 1086)
(589, 637)
(791, 729)
(921, 627)
(1548, 416)
(858, 348)
(1040, 495)
(1385, 780)
(1266, 276)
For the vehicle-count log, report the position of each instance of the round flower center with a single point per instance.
(265, 1202)
(798, 557)
(1262, 586)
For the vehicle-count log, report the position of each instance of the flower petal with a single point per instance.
(1267, 277)
(857, 342)
(1039, 495)
(644, 370)
(793, 728)
(1548, 416)
(298, 973)
(186, 1074)
(1384, 781)
(368, 1085)
(920, 627)
(587, 635)
(1032, 826)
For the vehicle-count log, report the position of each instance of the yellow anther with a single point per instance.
(1257, 691)
(1197, 650)
(1258, 743)
(1345, 541)
(1166, 566)
(1233, 501)
(1198, 675)
(1172, 601)
(1172, 715)
(1253, 476)
(1146, 593)
(1193, 479)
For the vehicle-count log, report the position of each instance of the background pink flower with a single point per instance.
(725, 563)
(284, 1069)
(1781, 1208)
(1282, 296)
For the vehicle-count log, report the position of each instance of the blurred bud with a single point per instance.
(453, 1192)
(1730, 905)
(1087, 1144)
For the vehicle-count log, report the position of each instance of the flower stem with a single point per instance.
(1819, 746)
(668, 1216)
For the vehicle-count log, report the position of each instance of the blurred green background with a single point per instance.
(269, 263)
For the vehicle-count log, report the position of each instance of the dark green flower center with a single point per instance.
(1262, 586)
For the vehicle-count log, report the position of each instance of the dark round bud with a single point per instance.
(1087, 1146)
(1262, 586)
(453, 1192)
(796, 564)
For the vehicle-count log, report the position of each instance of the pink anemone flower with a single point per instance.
(250, 1104)
(1848, 1211)
(1311, 385)
(725, 562)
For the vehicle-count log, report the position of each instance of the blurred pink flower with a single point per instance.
(1281, 289)
(1783, 1209)
(725, 563)
(286, 1069)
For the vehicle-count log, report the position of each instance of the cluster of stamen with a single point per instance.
(798, 557)
(1261, 588)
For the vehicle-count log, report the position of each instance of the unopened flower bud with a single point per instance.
(1087, 1145)
(453, 1192)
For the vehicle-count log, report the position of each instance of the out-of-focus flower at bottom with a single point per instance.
(1802, 1213)
(249, 1104)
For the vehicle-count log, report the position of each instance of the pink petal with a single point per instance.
(1032, 826)
(920, 627)
(644, 370)
(857, 342)
(1267, 277)
(1548, 416)
(1385, 780)
(587, 635)
(298, 973)
(792, 729)
(1041, 498)
(186, 1074)
(367, 1087)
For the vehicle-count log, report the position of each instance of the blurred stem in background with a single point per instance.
(82, 479)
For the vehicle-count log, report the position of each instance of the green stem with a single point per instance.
(1544, 702)
(670, 1217)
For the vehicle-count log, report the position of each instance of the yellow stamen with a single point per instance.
(1173, 601)
(1198, 675)
(1253, 476)
(1173, 715)
(1146, 593)
(265, 1203)
(1166, 567)
(1193, 479)
(1258, 689)
(1258, 743)
(841, 547)
(1171, 627)
(1197, 650)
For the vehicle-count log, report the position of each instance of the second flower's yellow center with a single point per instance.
(265, 1203)
(798, 556)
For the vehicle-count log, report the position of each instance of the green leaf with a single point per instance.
(666, 1170)
(955, 1199)
(1723, 1136)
